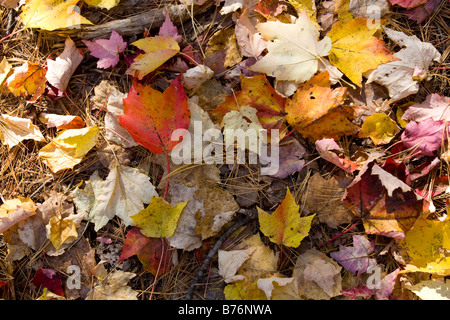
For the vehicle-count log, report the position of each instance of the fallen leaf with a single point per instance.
(366, 8)
(157, 50)
(106, 4)
(397, 76)
(63, 229)
(168, 29)
(323, 197)
(122, 194)
(268, 284)
(49, 279)
(291, 160)
(435, 106)
(424, 137)
(250, 42)
(51, 14)
(193, 78)
(69, 148)
(380, 128)
(114, 287)
(387, 285)
(427, 245)
(27, 80)
(435, 289)
(356, 259)
(245, 119)
(147, 123)
(81, 256)
(224, 41)
(107, 50)
(154, 253)
(107, 93)
(258, 93)
(284, 225)
(12, 4)
(329, 150)
(230, 262)
(355, 50)
(318, 276)
(293, 49)
(231, 6)
(208, 209)
(358, 292)
(13, 130)
(421, 12)
(61, 122)
(316, 110)
(159, 219)
(15, 210)
(60, 70)
(408, 3)
(48, 295)
(387, 205)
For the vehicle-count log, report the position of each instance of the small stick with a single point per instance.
(239, 223)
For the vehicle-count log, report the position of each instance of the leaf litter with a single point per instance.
(88, 181)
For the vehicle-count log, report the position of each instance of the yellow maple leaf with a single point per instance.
(428, 244)
(61, 230)
(51, 14)
(355, 49)
(69, 148)
(157, 51)
(284, 225)
(159, 219)
(380, 128)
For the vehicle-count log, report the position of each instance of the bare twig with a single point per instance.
(244, 219)
(136, 24)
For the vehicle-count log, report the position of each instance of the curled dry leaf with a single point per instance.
(13, 130)
(60, 70)
(122, 194)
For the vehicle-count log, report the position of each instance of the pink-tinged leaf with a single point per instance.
(48, 278)
(387, 285)
(424, 169)
(168, 29)
(3, 283)
(408, 3)
(356, 259)
(248, 38)
(423, 11)
(435, 106)
(61, 69)
(291, 160)
(358, 292)
(107, 50)
(327, 149)
(424, 137)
